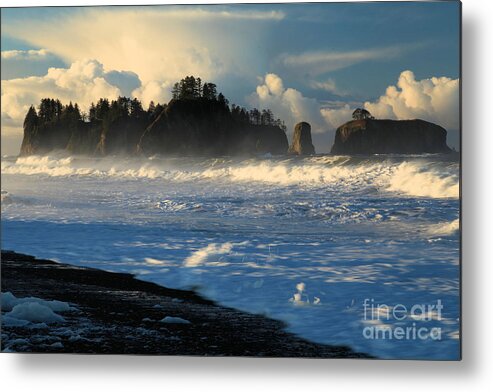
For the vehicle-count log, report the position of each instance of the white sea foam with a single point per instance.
(211, 253)
(418, 180)
(444, 229)
(409, 177)
(9, 301)
(21, 311)
(174, 320)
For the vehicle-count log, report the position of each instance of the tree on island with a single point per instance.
(192, 88)
(151, 108)
(362, 114)
(31, 119)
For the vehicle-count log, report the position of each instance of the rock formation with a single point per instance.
(369, 136)
(205, 128)
(302, 140)
(189, 127)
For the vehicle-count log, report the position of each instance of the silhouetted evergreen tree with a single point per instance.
(209, 91)
(362, 114)
(136, 110)
(31, 119)
(49, 110)
(92, 112)
(223, 101)
(175, 92)
(151, 108)
(102, 108)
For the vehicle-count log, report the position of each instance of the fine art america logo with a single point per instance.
(401, 322)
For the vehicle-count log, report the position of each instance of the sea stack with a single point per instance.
(302, 140)
(370, 136)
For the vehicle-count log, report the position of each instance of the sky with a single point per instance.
(305, 62)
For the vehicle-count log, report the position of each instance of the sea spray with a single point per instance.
(406, 176)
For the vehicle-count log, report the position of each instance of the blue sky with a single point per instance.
(312, 62)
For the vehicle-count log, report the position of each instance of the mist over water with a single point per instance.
(304, 240)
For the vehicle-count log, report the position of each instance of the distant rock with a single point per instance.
(302, 140)
(369, 136)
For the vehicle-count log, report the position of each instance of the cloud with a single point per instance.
(288, 104)
(335, 117)
(125, 80)
(320, 62)
(85, 81)
(22, 63)
(153, 91)
(163, 44)
(217, 15)
(435, 99)
(328, 85)
(32, 55)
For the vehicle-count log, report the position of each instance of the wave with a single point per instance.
(421, 180)
(444, 229)
(405, 176)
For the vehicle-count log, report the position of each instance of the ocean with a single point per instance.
(345, 250)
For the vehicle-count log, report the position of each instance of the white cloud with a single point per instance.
(31, 55)
(337, 116)
(83, 82)
(435, 99)
(159, 44)
(153, 91)
(321, 62)
(217, 15)
(328, 85)
(288, 104)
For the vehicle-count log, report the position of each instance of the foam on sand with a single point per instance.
(174, 320)
(22, 311)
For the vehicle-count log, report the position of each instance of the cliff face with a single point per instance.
(389, 137)
(120, 137)
(186, 127)
(43, 138)
(302, 140)
(206, 128)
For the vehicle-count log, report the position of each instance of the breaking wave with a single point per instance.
(420, 180)
(444, 229)
(407, 176)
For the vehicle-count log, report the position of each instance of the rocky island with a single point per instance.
(366, 135)
(302, 140)
(197, 121)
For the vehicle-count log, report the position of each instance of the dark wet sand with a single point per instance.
(118, 314)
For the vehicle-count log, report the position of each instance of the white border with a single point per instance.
(131, 373)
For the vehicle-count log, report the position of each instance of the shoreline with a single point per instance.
(115, 313)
